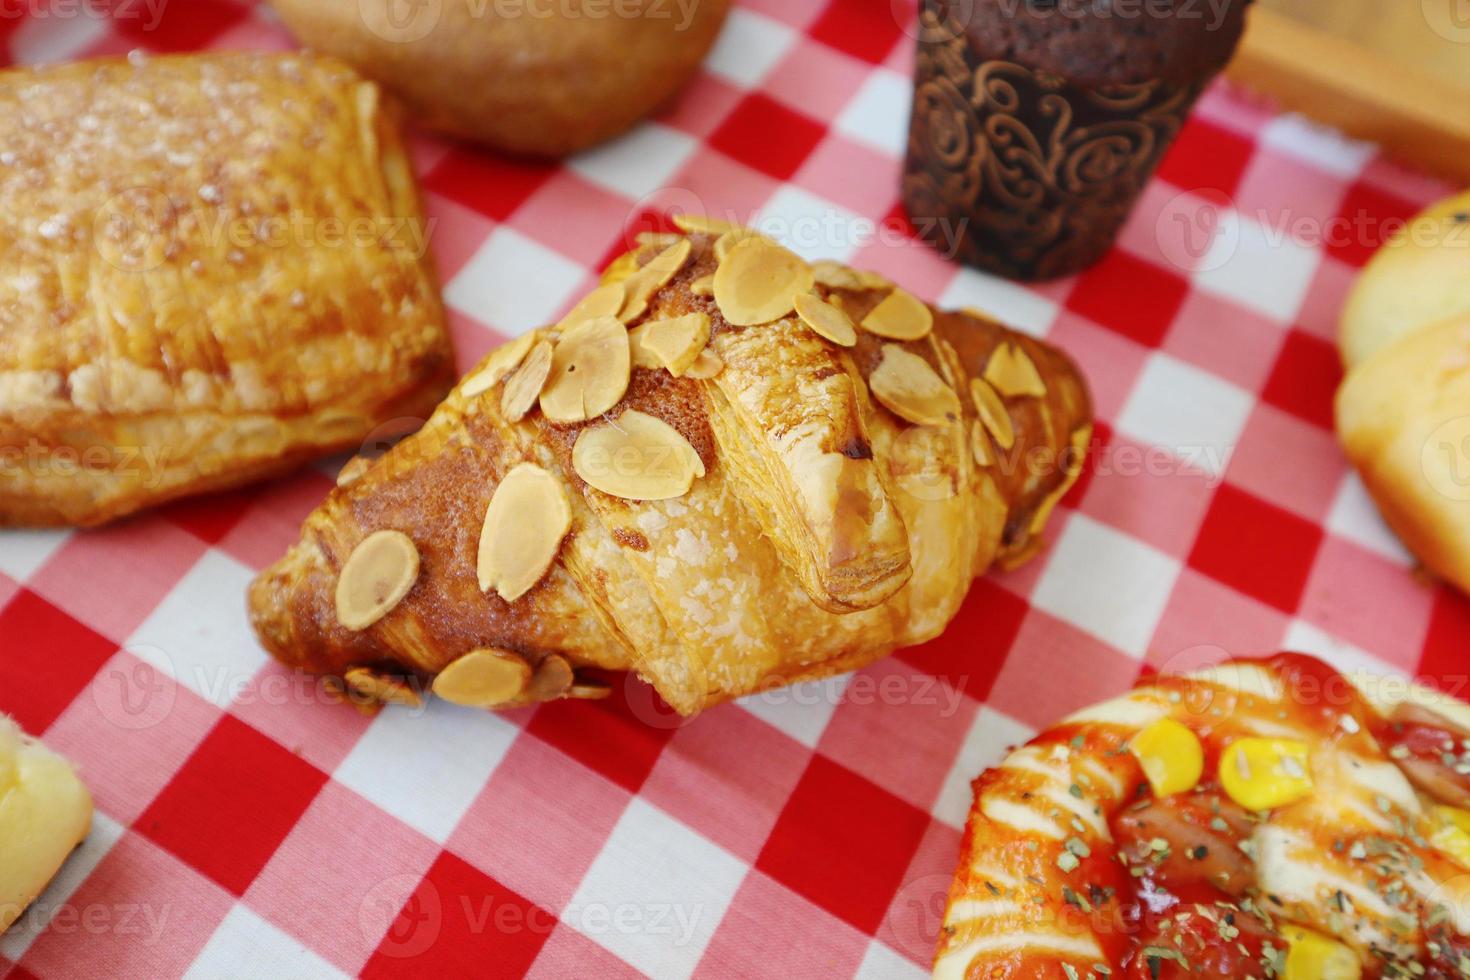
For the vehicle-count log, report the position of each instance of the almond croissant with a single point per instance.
(725, 469)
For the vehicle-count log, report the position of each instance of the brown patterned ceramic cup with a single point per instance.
(1020, 171)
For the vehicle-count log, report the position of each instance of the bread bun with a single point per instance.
(1421, 276)
(1403, 412)
(535, 77)
(1403, 416)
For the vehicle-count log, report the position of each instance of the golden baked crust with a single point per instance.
(533, 77)
(824, 533)
(1072, 866)
(1420, 277)
(217, 268)
(1403, 416)
(45, 812)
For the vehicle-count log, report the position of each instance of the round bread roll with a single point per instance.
(1403, 413)
(535, 77)
(1403, 416)
(1420, 276)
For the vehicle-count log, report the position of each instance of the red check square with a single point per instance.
(1129, 296)
(170, 27)
(1206, 157)
(786, 136)
(240, 787)
(36, 684)
(1257, 548)
(1305, 378)
(493, 185)
(611, 736)
(459, 922)
(867, 30)
(210, 517)
(1368, 218)
(833, 815)
(1448, 640)
(971, 653)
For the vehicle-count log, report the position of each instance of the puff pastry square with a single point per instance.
(216, 268)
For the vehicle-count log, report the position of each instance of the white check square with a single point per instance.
(879, 114)
(992, 734)
(813, 227)
(656, 893)
(748, 47)
(1355, 516)
(1010, 303)
(514, 283)
(245, 945)
(1107, 584)
(428, 790)
(637, 163)
(200, 634)
(22, 552)
(1195, 415)
(1261, 267)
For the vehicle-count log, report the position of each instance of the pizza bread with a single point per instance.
(1266, 818)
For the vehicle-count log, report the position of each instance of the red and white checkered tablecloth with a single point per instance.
(244, 829)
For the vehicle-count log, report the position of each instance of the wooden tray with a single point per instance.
(1309, 61)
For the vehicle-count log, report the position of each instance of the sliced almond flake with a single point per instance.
(621, 269)
(353, 470)
(873, 280)
(589, 371)
(703, 286)
(825, 319)
(649, 279)
(642, 356)
(589, 689)
(734, 237)
(523, 387)
(674, 343)
(992, 409)
(1012, 373)
(381, 688)
(636, 457)
(835, 275)
(381, 570)
(900, 316)
(552, 680)
(501, 362)
(907, 386)
(605, 300)
(1080, 440)
(525, 523)
(980, 445)
(707, 365)
(484, 678)
(758, 282)
(663, 239)
(702, 224)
